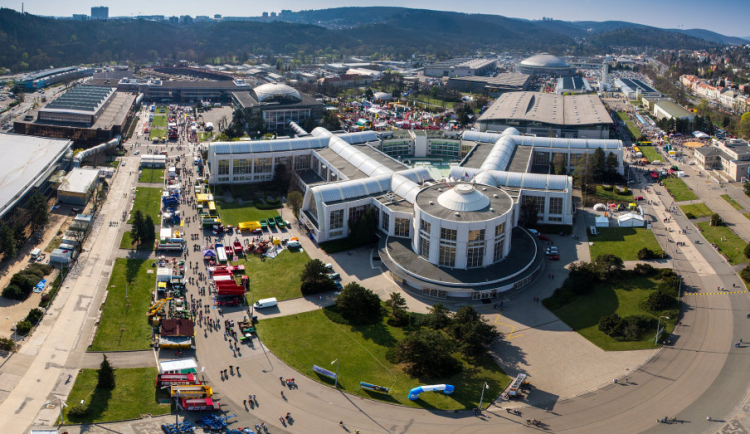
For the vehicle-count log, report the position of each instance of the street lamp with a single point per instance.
(658, 330)
(62, 404)
(336, 380)
(481, 398)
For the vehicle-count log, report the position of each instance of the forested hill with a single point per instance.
(29, 42)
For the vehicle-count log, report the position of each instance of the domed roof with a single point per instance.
(545, 61)
(277, 92)
(463, 197)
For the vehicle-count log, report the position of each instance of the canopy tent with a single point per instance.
(630, 220)
(178, 365)
(208, 253)
(700, 135)
(600, 207)
(602, 222)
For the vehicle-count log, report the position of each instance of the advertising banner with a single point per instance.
(324, 372)
(373, 387)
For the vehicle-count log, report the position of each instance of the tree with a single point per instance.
(529, 213)
(148, 230)
(472, 332)
(607, 266)
(369, 93)
(7, 242)
(39, 212)
(281, 177)
(597, 164)
(136, 231)
(19, 234)
(716, 220)
(558, 164)
(358, 304)
(294, 199)
(427, 353)
(746, 186)
(745, 125)
(747, 251)
(331, 121)
(611, 165)
(106, 375)
(399, 314)
(362, 231)
(315, 278)
(582, 171)
(439, 317)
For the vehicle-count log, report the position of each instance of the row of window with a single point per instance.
(245, 166)
(555, 204)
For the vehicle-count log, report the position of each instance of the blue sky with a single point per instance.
(728, 17)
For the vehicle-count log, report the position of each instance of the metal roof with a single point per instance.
(82, 99)
(79, 180)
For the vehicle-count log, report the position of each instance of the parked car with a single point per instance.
(544, 237)
(334, 276)
(551, 251)
(554, 257)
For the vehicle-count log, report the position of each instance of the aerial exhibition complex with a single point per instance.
(480, 236)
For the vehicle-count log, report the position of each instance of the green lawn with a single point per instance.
(696, 211)
(613, 195)
(157, 132)
(623, 116)
(650, 153)
(135, 394)
(623, 242)
(152, 175)
(159, 121)
(623, 297)
(306, 339)
(53, 244)
(116, 313)
(125, 243)
(731, 201)
(277, 277)
(234, 213)
(434, 101)
(161, 109)
(148, 200)
(679, 189)
(204, 136)
(733, 246)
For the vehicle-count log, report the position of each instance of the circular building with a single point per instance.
(277, 92)
(545, 65)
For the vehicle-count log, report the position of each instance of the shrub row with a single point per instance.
(23, 282)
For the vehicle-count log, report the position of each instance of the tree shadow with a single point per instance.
(377, 333)
(96, 407)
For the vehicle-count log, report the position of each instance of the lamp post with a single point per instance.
(336, 380)
(481, 398)
(62, 404)
(658, 330)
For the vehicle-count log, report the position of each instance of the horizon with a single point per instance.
(669, 14)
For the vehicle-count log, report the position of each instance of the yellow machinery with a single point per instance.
(191, 391)
(157, 306)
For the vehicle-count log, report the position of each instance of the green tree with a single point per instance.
(358, 304)
(558, 164)
(7, 242)
(746, 186)
(294, 199)
(369, 93)
(19, 234)
(331, 121)
(598, 164)
(106, 375)
(148, 230)
(439, 317)
(136, 230)
(745, 125)
(397, 304)
(716, 220)
(608, 266)
(39, 211)
(472, 332)
(427, 353)
(611, 165)
(315, 278)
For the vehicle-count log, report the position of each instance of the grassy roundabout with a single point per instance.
(696, 211)
(623, 242)
(155, 176)
(679, 189)
(118, 314)
(732, 245)
(148, 200)
(311, 338)
(135, 394)
(278, 277)
(234, 213)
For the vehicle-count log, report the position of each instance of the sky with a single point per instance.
(727, 17)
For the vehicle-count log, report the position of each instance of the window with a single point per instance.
(474, 256)
(424, 226)
(499, 246)
(538, 201)
(282, 161)
(241, 166)
(500, 230)
(337, 219)
(448, 234)
(402, 227)
(555, 205)
(301, 162)
(424, 246)
(263, 165)
(447, 257)
(356, 212)
(477, 235)
(385, 221)
(223, 167)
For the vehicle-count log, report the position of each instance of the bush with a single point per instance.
(645, 270)
(6, 344)
(633, 327)
(13, 292)
(645, 254)
(359, 305)
(670, 285)
(658, 301)
(34, 315)
(78, 411)
(716, 220)
(23, 328)
(690, 215)
(47, 297)
(745, 274)
(747, 250)
(610, 324)
(332, 313)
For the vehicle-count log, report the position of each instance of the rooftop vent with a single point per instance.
(457, 214)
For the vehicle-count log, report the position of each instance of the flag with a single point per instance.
(466, 175)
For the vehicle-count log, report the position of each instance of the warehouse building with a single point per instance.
(182, 90)
(492, 86)
(78, 186)
(548, 115)
(666, 109)
(80, 105)
(29, 165)
(632, 88)
(460, 68)
(545, 65)
(572, 85)
(48, 77)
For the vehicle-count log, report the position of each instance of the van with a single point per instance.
(266, 302)
(293, 245)
(592, 230)
(35, 254)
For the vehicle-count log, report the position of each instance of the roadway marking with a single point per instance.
(718, 293)
(512, 328)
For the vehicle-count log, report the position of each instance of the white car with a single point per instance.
(137, 152)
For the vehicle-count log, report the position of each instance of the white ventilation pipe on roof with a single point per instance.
(95, 150)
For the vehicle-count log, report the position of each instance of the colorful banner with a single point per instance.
(373, 387)
(324, 372)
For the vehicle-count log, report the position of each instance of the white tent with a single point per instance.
(600, 207)
(630, 220)
(602, 222)
(163, 274)
(178, 365)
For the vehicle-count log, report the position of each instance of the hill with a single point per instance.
(710, 36)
